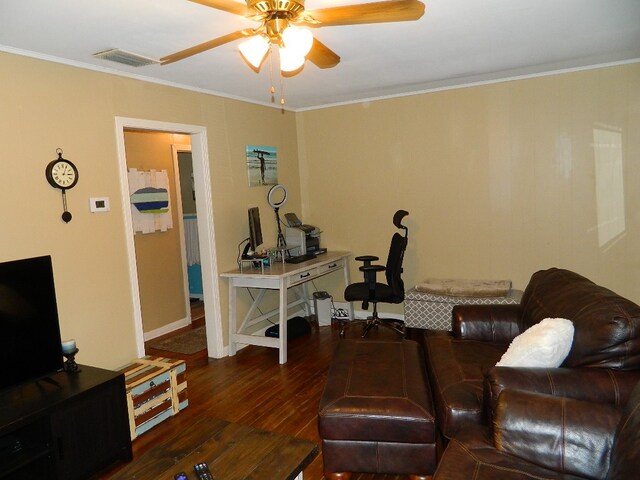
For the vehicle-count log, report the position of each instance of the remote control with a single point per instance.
(181, 476)
(202, 471)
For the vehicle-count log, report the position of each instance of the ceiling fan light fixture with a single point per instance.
(254, 50)
(290, 60)
(297, 39)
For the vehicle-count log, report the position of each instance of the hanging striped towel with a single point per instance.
(191, 238)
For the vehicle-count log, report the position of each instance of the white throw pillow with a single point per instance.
(545, 344)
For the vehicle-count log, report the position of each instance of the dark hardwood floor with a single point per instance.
(252, 388)
(197, 359)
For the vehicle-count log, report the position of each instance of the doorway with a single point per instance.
(206, 237)
(188, 219)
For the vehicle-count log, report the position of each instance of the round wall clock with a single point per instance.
(62, 174)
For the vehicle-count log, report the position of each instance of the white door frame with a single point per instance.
(206, 237)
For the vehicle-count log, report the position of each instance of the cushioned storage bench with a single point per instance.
(430, 311)
(156, 390)
(376, 414)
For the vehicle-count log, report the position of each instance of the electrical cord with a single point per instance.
(239, 249)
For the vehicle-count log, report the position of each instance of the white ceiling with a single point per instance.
(456, 42)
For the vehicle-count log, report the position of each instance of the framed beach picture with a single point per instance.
(262, 165)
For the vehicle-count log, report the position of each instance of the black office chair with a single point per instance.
(370, 291)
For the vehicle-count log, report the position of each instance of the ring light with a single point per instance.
(271, 195)
(271, 198)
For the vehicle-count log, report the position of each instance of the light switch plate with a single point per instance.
(99, 204)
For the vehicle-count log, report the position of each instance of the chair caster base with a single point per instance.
(371, 323)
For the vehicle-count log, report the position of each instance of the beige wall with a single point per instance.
(46, 106)
(500, 180)
(158, 254)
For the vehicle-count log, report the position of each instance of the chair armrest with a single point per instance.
(370, 276)
(598, 385)
(367, 259)
(372, 268)
(487, 323)
(555, 432)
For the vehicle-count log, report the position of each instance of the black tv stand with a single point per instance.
(65, 426)
(50, 381)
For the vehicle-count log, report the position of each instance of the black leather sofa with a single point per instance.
(602, 366)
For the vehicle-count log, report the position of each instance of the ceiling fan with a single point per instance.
(281, 22)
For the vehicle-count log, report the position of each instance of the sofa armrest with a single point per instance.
(599, 385)
(556, 432)
(487, 323)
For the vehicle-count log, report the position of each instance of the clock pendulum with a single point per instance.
(62, 174)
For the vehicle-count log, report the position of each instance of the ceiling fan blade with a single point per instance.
(230, 6)
(377, 12)
(322, 56)
(203, 47)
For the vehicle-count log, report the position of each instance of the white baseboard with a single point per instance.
(364, 314)
(158, 332)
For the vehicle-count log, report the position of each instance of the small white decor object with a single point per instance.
(545, 344)
(69, 346)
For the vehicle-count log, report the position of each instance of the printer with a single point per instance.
(302, 239)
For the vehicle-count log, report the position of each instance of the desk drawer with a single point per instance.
(315, 272)
(304, 276)
(329, 267)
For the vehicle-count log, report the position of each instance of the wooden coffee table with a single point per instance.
(232, 451)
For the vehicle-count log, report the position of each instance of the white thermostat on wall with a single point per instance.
(99, 204)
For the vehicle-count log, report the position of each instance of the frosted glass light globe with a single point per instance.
(298, 39)
(254, 50)
(290, 60)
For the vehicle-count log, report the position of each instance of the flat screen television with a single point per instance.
(29, 327)
(255, 229)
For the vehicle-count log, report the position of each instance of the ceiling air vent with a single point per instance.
(124, 57)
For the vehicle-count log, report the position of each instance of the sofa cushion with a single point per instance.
(607, 326)
(545, 344)
(471, 455)
(456, 374)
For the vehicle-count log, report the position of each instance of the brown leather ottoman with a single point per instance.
(376, 414)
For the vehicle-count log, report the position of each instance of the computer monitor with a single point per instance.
(255, 229)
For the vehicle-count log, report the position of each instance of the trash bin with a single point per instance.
(322, 307)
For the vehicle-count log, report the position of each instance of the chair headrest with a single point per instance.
(397, 218)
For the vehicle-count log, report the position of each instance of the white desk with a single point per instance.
(279, 276)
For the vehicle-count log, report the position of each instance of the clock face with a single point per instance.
(62, 174)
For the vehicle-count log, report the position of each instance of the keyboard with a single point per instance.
(300, 258)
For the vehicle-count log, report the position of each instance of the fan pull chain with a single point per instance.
(281, 93)
(273, 88)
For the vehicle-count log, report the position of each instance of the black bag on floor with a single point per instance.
(296, 327)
